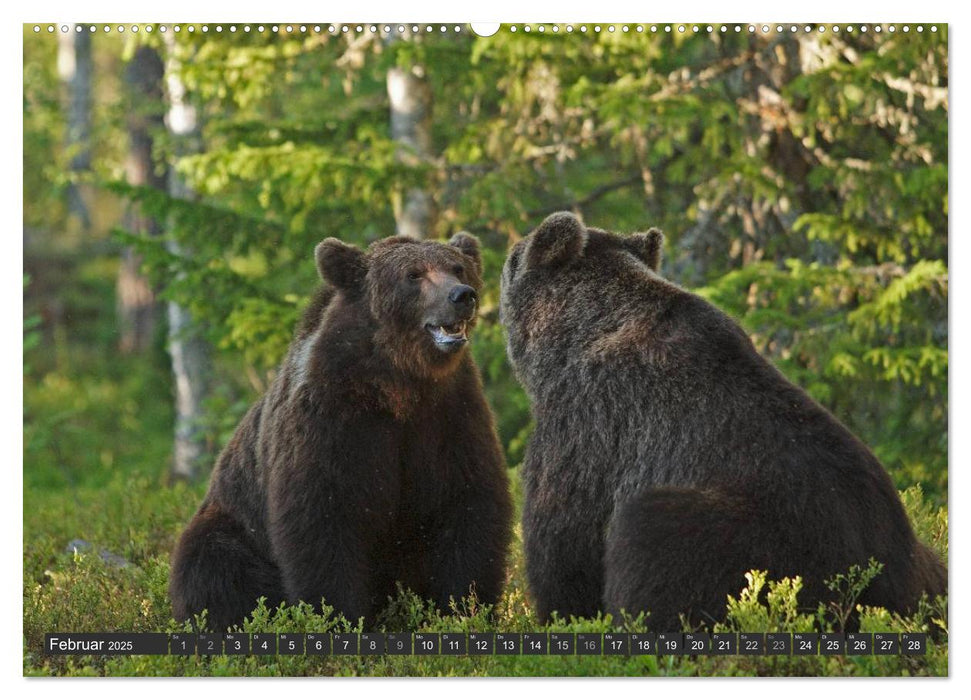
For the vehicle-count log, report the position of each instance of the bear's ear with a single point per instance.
(560, 238)
(344, 266)
(469, 245)
(647, 246)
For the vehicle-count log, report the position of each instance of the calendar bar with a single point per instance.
(489, 644)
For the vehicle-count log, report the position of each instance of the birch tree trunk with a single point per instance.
(137, 307)
(74, 68)
(411, 114)
(191, 361)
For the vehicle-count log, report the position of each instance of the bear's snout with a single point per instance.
(463, 296)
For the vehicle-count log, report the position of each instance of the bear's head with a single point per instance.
(564, 285)
(421, 295)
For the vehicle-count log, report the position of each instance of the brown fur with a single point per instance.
(669, 457)
(372, 459)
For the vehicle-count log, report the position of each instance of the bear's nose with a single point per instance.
(462, 294)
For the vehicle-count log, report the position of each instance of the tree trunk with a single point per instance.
(74, 67)
(191, 361)
(411, 113)
(137, 308)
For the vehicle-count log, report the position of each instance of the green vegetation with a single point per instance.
(139, 518)
(801, 181)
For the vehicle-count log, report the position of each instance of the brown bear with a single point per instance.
(669, 457)
(371, 460)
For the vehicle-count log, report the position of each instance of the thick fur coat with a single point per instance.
(372, 459)
(669, 457)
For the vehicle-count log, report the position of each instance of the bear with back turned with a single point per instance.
(669, 457)
(371, 460)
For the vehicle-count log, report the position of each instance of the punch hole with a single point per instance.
(484, 28)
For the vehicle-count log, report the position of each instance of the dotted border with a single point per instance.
(334, 29)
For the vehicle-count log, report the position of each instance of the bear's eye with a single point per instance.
(415, 275)
(458, 270)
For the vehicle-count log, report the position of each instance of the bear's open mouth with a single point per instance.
(449, 336)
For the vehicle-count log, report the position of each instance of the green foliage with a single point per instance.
(138, 519)
(801, 181)
(847, 588)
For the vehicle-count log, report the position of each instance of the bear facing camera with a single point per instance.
(371, 460)
(669, 457)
